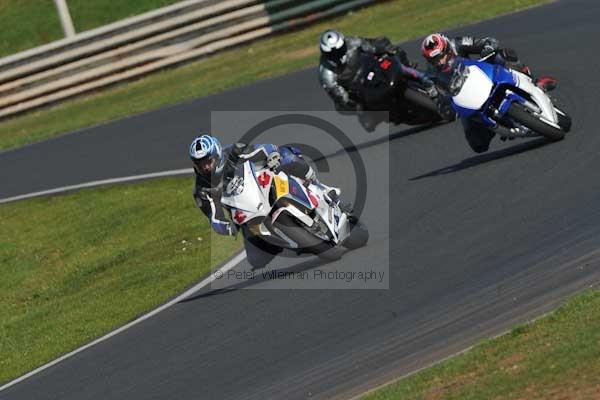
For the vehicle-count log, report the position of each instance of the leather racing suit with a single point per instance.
(338, 79)
(208, 191)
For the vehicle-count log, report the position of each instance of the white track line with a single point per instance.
(63, 189)
(208, 280)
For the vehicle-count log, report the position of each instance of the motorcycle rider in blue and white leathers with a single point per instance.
(442, 54)
(209, 158)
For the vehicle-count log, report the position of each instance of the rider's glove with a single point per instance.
(431, 90)
(273, 160)
(391, 50)
(234, 154)
(509, 55)
(233, 160)
(490, 46)
(236, 151)
(404, 58)
(487, 50)
(209, 193)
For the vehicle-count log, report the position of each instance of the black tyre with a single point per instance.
(359, 236)
(524, 117)
(564, 121)
(421, 99)
(307, 242)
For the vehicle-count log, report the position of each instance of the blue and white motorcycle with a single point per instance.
(287, 212)
(505, 101)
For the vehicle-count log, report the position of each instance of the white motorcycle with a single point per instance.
(284, 211)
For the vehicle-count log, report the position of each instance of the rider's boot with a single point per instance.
(504, 133)
(311, 177)
(334, 197)
(368, 120)
(546, 83)
(332, 192)
(525, 69)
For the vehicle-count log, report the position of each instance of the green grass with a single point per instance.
(76, 266)
(88, 14)
(30, 23)
(555, 357)
(399, 20)
(26, 24)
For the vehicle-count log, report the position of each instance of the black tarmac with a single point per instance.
(474, 243)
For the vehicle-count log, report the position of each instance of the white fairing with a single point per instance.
(253, 199)
(540, 98)
(475, 90)
(334, 218)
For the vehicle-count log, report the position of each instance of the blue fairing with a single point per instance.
(297, 193)
(501, 77)
(464, 112)
(497, 73)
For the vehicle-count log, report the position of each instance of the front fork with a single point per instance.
(505, 132)
(507, 128)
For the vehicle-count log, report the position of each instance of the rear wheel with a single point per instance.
(421, 99)
(520, 114)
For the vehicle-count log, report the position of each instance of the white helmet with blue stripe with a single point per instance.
(207, 154)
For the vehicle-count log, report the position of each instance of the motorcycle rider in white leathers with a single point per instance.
(209, 158)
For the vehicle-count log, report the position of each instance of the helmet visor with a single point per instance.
(441, 60)
(337, 55)
(206, 165)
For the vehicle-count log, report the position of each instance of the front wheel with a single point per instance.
(359, 236)
(306, 241)
(564, 121)
(521, 115)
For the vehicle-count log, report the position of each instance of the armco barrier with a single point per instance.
(141, 45)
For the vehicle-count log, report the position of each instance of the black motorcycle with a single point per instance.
(379, 85)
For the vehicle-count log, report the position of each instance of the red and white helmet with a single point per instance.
(437, 49)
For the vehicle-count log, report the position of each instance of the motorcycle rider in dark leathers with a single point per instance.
(340, 62)
(209, 158)
(441, 53)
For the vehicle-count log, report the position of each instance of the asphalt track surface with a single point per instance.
(475, 243)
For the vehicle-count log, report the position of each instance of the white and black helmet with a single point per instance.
(333, 46)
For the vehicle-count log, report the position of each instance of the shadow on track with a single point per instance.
(484, 158)
(260, 276)
(263, 276)
(392, 136)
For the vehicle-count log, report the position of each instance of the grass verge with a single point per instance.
(88, 14)
(74, 267)
(26, 23)
(400, 20)
(555, 357)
